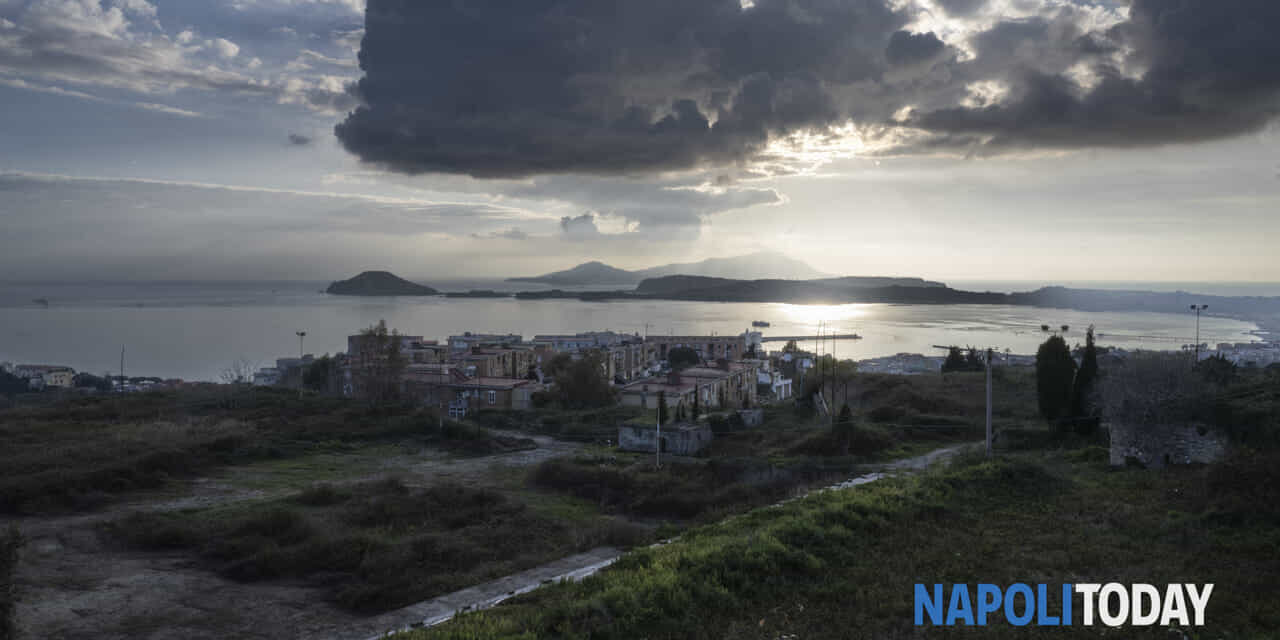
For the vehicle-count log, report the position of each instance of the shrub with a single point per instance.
(10, 543)
(718, 423)
(322, 495)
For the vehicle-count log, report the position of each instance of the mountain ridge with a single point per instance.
(758, 265)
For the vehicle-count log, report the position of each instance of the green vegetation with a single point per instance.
(840, 561)
(1083, 391)
(581, 425)
(900, 416)
(960, 361)
(377, 546)
(319, 373)
(682, 358)
(10, 543)
(581, 382)
(1055, 375)
(1154, 390)
(11, 385)
(76, 453)
(377, 364)
(630, 486)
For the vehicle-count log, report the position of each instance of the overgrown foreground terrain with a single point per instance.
(842, 564)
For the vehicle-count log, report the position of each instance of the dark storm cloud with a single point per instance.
(622, 87)
(910, 48)
(1205, 70)
(591, 86)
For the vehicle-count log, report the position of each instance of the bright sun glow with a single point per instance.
(839, 318)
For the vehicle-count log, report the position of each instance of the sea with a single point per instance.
(197, 330)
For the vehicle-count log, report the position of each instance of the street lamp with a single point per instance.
(1198, 308)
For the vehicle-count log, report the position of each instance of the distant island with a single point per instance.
(1263, 310)
(379, 283)
(477, 293)
(765, 264)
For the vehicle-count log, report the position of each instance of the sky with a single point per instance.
(948, 139)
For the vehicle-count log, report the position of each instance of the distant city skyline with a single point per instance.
(1038, 140)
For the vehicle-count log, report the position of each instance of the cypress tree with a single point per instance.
(1055, 374)
(1086, 422)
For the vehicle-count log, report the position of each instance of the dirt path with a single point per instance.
(71, 585)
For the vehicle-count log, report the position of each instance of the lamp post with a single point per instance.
(1198, 308)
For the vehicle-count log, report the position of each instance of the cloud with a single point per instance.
(299, 140)
(19, 83)
(961, 7)
(911, 48)
(122, 46)
(604, 87)
(581, 227)
(145, 228)
(511, 233)
(225, 48)
(173, 111)
(1186, 71)
(622, 87)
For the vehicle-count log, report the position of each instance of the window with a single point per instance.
(493, 397)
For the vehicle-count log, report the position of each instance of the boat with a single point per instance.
(759, 323)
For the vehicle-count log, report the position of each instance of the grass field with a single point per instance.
(10, 543)
(379, 545)
(843, 564)
(78, 454)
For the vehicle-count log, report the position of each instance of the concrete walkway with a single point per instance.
(482, 596)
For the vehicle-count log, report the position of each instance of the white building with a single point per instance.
(266, 377)
(46, 375)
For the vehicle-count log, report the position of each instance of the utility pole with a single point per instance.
(122, 368)
(1198, 308)
(657, 443)
(831, 411)
(989, 354)
(301, 335)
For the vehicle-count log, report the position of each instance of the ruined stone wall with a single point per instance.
(1155, 446)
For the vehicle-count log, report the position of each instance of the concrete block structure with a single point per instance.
(680, 439)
